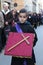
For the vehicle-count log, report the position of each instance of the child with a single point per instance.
(26, 28)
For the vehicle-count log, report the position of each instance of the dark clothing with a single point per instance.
(34, 21)
(0, 39)
(39, 19)
(26, 28)
(8, 17)
(21, 61)
(15, 17)
(1, 29)
(30, 19)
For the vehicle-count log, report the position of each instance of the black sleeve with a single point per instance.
(33, 56)
(31, 30)
(35, 39)
(13, 29)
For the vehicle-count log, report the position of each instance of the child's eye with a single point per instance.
(22, 16)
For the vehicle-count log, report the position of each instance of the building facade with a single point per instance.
(39, 6)
(18, 4)
(30, 5)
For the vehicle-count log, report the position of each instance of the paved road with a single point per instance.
(39, 46)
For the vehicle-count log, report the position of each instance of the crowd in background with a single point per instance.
(36, 19)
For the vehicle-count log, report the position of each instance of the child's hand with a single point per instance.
(6, 23)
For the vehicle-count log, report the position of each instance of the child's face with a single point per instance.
(22, 17)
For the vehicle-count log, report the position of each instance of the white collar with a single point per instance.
(6, 11)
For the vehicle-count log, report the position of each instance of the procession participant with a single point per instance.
(26, 28)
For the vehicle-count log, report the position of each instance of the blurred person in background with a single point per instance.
(15, 15)
(1, 30)
(8, 18)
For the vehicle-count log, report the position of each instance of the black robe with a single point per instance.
(8, 16)
(26, 28)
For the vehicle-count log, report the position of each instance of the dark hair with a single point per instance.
(23, 11)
